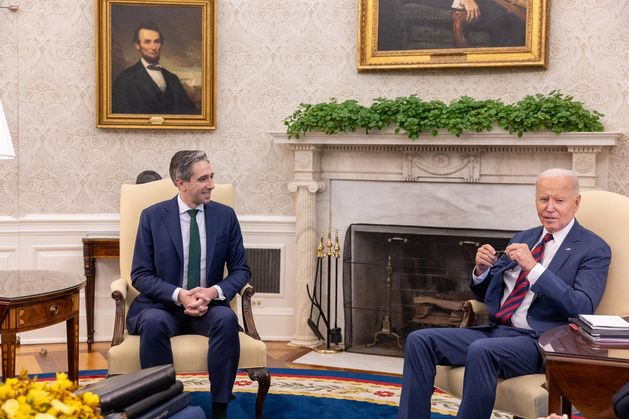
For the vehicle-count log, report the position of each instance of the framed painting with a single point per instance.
(156, 64)
(417, 34)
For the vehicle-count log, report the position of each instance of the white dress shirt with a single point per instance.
(184, 221)
(156, 75)
(518, 319)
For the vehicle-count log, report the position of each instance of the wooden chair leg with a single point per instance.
(263, 377)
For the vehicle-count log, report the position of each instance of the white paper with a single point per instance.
(604, 321)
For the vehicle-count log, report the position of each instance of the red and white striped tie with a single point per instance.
(517, 294)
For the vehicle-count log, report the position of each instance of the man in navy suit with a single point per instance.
(528, 289)
(147, 87)
(164, 272)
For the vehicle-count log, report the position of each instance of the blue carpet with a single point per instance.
(279, 406)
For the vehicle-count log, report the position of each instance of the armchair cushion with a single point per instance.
(187, 356)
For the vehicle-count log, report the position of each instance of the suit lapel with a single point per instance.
(530, 239)
(148, 84)
(569, 243)
(173, 225)
(534, 237)
(210, 234)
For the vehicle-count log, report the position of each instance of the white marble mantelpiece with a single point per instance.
(495, 157)
(440, 180)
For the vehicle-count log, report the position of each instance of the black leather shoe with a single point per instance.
(219, 410)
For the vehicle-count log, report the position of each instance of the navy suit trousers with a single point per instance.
(487, 354)
(220, 324)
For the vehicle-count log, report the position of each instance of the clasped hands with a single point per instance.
(195, 301)
(518, 252)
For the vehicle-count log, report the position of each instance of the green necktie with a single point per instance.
(194, 252)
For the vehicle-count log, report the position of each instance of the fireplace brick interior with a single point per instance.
(428, 271)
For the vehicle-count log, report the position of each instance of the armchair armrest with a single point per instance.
(474, 313)
(119, 290)
(246, 293)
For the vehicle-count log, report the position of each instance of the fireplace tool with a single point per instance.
(332, 334)
(386, 330)
(315, 297)
(335, 332)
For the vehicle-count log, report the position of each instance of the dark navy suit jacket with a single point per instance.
(157, 268)
(135, 92)
(572, 284)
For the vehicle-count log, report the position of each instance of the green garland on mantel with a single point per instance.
(410, 114)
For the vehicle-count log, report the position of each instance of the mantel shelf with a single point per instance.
(494, 138)
(495, 157)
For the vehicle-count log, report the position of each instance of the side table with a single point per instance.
(31, 300)
(95, 248)
(579, 374)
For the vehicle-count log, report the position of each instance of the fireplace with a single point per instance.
(400, 278)
(480, 180)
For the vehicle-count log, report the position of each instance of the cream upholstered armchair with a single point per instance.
(189, 351)
(605, 213)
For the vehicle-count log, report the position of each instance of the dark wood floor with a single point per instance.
(37, 359)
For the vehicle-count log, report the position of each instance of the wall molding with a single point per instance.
(53, 241)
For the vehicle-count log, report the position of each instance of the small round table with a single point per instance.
(581, 374)
(32, 299)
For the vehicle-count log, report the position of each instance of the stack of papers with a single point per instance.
(611, 331)
(605, 322)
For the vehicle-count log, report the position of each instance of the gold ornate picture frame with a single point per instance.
(156, 64)
(418, 34)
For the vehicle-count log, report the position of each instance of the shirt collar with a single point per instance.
(184, 208)
(559, 236)
(145, 63)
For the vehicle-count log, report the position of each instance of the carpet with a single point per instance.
(307, 394)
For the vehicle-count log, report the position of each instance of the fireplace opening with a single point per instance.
(400, 278)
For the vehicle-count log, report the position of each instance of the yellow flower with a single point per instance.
(6, 392)
(91, 399)
(10, 407)
(25, 398)
(38, 398)
(62, 407)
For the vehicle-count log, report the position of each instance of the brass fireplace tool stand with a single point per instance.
(333, 334)
(386, 330)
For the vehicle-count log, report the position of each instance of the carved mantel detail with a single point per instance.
(438, 165)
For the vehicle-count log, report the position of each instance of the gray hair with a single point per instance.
(182, 162)
(556, 172)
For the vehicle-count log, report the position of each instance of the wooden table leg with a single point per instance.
(89, 265)
(557, 402)
(566, 407)
(72, 329)
(9, 343)
(554, 393)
